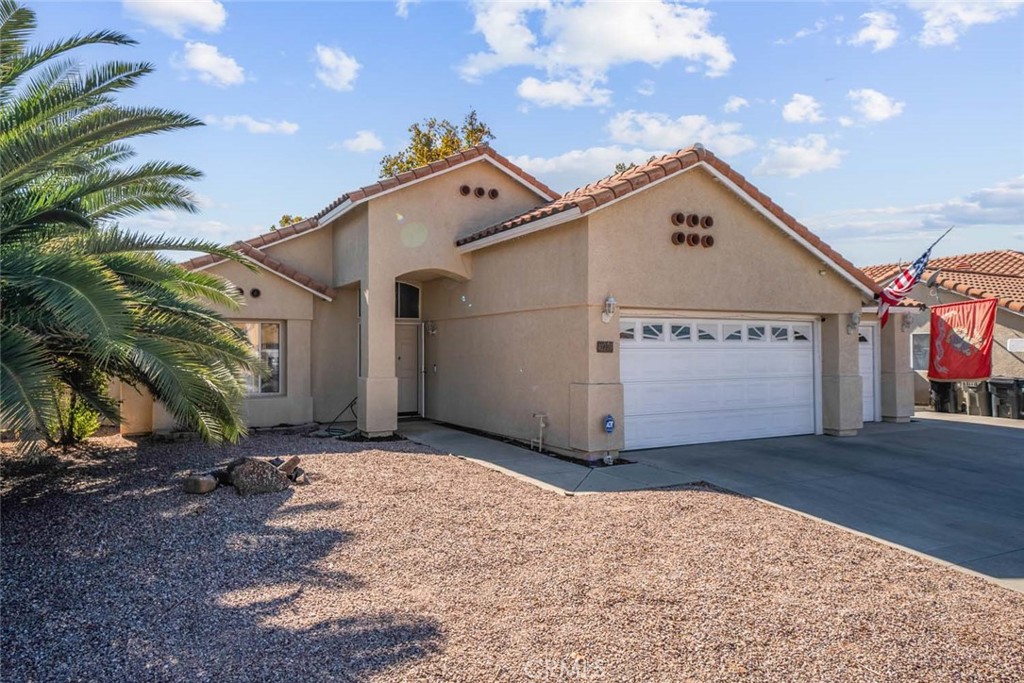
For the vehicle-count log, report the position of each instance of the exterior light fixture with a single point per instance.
(610, 306)
(853, 323)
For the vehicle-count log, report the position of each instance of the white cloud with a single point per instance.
(805, 155)
(565, 93)
(645, 88)
(660, 131)
(818, 27)
(880, 32)
(402, 7)
(734, 104)
(363, 141)
(580, 166)
(336, 69)
(999, 206)
(580, 42)
(174, 17)
(802, 109)
(873, 106)
(211, 66)
(945, 22)
(254, 126)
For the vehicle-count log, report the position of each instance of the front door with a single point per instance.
(868, 371)
(407, 367)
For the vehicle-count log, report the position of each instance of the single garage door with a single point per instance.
(696, 381)
(868, 371)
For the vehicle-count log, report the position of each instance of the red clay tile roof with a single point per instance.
(435, 167)
(603, 191)
(268, 238)
(981, 275)
(267, 261)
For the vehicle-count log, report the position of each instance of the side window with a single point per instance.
(407, 300)
(919, 350)
(266, 339)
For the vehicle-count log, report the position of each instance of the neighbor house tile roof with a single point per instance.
(594, 195)
(982, 275)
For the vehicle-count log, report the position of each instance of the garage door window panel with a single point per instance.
(653, 331)
(780, 333)
(627, 331)
(755, 333)
(707, 333)
(681, 333)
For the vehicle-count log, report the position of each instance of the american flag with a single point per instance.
(898, 290)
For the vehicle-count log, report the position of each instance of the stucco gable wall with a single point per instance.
(350, 248)
(310, 253)
(753, 265)
(278, 300)
(414, 229)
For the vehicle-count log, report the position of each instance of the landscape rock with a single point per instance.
(250, 475)
(221, 475)
(289, 465)
(299, 476)
(200, 483)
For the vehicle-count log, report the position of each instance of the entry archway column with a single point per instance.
(378, 384)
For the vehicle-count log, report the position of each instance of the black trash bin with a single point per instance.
(1007, 399)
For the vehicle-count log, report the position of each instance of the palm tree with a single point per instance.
(83, 301)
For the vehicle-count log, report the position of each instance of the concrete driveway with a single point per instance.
(950, 490)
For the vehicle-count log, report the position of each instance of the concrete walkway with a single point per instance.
(951, 490)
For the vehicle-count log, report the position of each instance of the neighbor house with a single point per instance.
(668, 304)
(965, 277)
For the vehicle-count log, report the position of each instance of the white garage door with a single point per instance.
(698, 381)
(868, 371)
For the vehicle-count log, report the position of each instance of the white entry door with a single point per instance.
(691, 381)
(868, 370)
(407, 367)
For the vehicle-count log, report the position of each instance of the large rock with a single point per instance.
(200, 483)
(249, 475)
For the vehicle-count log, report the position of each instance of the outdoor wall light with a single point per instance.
(610, 306)
(853, 323)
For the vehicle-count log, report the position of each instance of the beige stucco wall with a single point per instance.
(520, 336)
(410, 235)
(512, 341)
(753, 267)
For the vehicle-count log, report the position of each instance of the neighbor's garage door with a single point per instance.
(698, 381)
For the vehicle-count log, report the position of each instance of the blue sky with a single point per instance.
(877, 124)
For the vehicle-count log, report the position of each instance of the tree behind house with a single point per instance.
(435, 139)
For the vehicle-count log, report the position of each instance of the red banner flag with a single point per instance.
(961, 341)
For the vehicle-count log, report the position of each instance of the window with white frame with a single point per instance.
(652, 331)
(755, 333)
(681, 332)
(801, 333)
(627, 331)
(266, 339)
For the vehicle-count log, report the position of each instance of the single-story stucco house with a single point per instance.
(673, 298)
(997, 274)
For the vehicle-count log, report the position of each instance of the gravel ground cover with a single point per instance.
(399, 564)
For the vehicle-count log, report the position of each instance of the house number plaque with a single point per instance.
(605, 347)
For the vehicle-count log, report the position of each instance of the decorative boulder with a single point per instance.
(200, 483)
(249, 475)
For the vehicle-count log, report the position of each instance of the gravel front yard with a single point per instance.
(397, 564)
